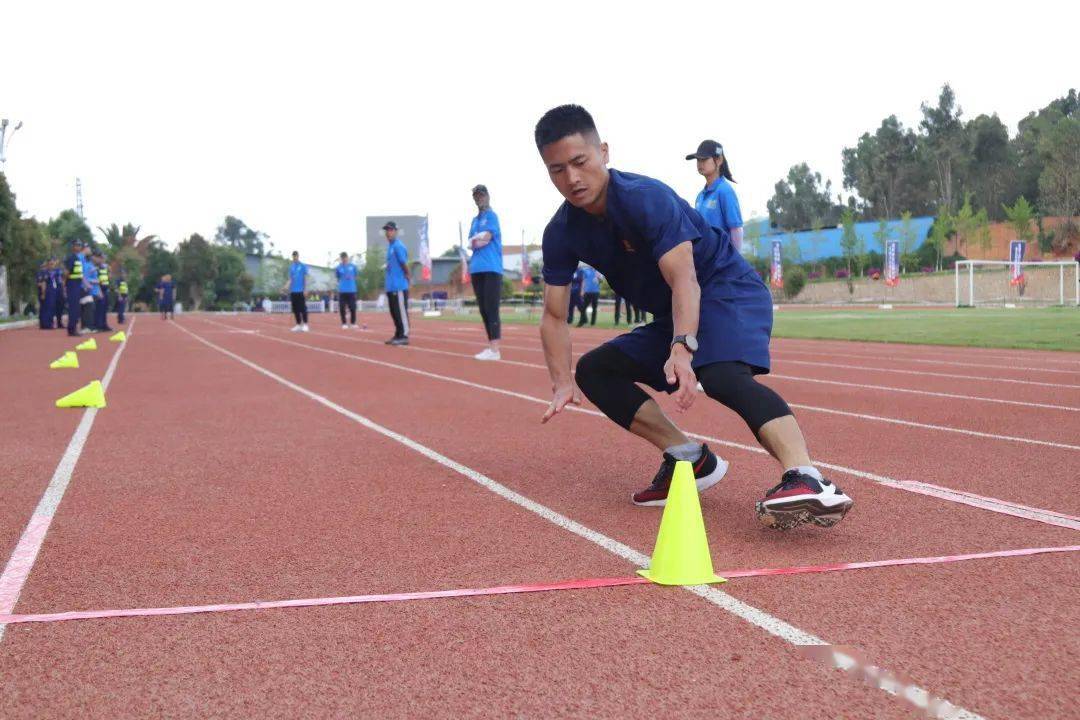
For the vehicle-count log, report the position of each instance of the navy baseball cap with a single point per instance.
(391, 225)
(76, 242)
(707, 149)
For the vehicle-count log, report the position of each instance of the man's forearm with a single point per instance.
(686, 306)
(555, 337)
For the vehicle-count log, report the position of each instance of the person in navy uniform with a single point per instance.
(713, 319)
(164, 290)
(56, 271)
(101, 301)
(74, 285)
(577, 300)
(717, 202)
(46, 296)
(121, 296)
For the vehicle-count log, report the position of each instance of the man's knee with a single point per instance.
(606, 377)
(733, 385)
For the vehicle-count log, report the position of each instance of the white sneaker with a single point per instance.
(295, 328)
(304, 328)
(345, 327)
(352, 327)
(488, 354)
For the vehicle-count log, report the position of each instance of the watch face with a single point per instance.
(691, 342)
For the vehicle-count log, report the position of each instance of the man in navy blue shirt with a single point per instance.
(712, 321)
(577, 280)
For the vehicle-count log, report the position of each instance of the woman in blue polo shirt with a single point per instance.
(486, 269)
(717, 202)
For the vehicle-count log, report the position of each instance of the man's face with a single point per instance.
(344, 258)
(577, 166)
(391, 233)
(481, 200)
(706, 166)
(295, 257)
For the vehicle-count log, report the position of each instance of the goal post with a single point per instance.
(1005, 283)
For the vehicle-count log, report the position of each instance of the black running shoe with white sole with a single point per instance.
(801, 498)
(708, 470)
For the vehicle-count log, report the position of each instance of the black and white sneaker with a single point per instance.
(708, 470)
(801, 498)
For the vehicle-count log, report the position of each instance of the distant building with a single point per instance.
(409, 230)
(814, 246)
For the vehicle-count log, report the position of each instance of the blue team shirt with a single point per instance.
(591, 280)
(297, 276)
(719, 206)
(645, 219)
(90, 277)
(167, 296)
(575, 281)
(346, 276)
(489, 257)
(396, 254)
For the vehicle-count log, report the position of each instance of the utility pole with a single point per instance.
(78, 198)
(5, 139)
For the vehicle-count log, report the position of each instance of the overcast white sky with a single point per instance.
(304, 117)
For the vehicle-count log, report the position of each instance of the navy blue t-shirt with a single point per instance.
(645, 219)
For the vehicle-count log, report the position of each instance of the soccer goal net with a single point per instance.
(1011, 284)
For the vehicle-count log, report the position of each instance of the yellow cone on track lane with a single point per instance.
(92, 395)
(68, 360)
(681, 555)
(88, 345)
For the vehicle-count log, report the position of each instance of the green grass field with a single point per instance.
(1034, 328)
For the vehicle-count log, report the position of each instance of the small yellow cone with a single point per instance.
(88, 345)
(681, 555)
(68, 360)
(118, 337)
(90, 396)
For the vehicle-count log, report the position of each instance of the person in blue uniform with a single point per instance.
(713, 319)
(576, 300)
(486, 269)
(101, 301)
(121, 296)
(346, 272)
(717, 202)
(56, 271)
(296, 285)
(93, 292)
(73, 285)
(164, 289)
(397, 284)
(46, 296)
(590, 294)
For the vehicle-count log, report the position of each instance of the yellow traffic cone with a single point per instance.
(681, 555)
(118, 337)
(90, 396)
(68, 360)
(88, 345)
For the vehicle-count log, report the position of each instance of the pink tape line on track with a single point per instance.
(507, 589)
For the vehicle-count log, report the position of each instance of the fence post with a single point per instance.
(956, 274)
(971, 284)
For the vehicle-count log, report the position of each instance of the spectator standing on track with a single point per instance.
(121, 296)
(576, 300)
(165, 296)
(298, 274)
(46, 295)
(90, 300)
(717, 202)
(101, 302)
(397, 284)
(486, 269)
(713, 318)
(73, 285)
(346, 272)
(57, 273)
(590, 294)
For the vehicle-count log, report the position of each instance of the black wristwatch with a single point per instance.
(687, 341)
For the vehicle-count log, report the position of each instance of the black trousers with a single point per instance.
(575, 303)
(299, 307)
(399, 311)
(631, 313)
(591, 300)
(488, 289)
(347, 300)
(121, 306)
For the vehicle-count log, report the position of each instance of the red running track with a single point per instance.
(206, 481)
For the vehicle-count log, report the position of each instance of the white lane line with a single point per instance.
(812, 408)
(907, 351)
(926, 373)
(1004, 507)
(901, 358)
(22, 559)
(755, 616)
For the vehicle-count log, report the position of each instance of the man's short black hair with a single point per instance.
(561, 122)
(294, 252)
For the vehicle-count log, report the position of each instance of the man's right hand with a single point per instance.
(561, 397)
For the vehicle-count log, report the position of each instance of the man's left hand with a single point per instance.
(678, 372)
